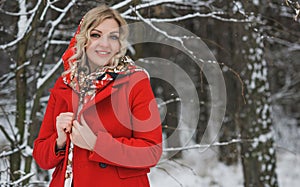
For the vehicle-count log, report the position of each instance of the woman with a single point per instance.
(101, 126)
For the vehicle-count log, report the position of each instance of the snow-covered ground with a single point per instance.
(203, 169)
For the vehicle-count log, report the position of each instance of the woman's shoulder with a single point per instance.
(139, 75)
(59, 84)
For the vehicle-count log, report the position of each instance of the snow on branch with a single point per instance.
(53, 7)
(287, 91)
(291, 46)
(147, 5)
(4, 79)
(26, 28)
(295, 6)
(168, 102)
(54, 23)
(121, 4)
(59, 42)
(151, 3)
(190, 16)
(206, 146)
(23, 178)
(18, 13)
(7, 153)
(190, 5)
(176, 38)
(213, 14)
(41, 81)
(159, 2)
(57, 9)
(13, 139)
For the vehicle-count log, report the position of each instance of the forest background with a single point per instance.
(225, 75)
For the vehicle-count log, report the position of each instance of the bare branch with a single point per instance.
(189, 16)
(11, 140)
(176, 38)
(291, 46)
(206, 146)
(2, 128)
(27, 27)
(146, 5)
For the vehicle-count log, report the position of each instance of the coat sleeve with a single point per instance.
(44, 146)
(144, 148)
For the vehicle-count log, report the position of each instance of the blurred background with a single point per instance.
(255, 44)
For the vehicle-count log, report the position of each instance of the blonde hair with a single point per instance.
(91, 20)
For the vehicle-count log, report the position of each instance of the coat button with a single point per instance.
(102, 165)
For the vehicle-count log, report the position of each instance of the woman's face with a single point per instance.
(104, 43)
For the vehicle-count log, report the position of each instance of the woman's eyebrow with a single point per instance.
(115, 32)
(96, 30)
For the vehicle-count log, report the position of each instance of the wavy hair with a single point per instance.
(91, 20)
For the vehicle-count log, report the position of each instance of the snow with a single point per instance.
(23, 18)
(121, 4)
(24, 28)
(42, 80)
(197, 167)
(256, 2)
(203, 169)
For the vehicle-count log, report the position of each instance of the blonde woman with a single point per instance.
(102, 125)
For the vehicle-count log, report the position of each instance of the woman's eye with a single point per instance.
(114, 37)
(95, 35)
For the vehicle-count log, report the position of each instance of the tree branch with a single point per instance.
(6, 134)
(27, 27)
(206, 146)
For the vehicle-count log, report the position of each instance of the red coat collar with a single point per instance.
(72, 98)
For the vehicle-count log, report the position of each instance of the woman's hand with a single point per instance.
(64, 123)
(82, 136)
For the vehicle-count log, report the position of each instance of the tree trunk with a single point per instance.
(21, 86)
(225, 37)
(258, 154)
(21, 94)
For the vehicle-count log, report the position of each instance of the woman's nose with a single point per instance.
(104, 41)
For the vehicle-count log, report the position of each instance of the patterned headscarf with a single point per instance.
(84, 83)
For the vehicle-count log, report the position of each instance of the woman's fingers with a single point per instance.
(76, 136)
(86, 134)
(64, 121)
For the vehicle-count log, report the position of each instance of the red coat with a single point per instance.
(126, 120)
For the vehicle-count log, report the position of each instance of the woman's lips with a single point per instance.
(103, 53)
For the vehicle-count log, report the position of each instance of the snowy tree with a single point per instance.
(27, 45)
(35, 33)
(258, 156)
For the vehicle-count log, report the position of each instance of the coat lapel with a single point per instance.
(107, 91)
(70, 97)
